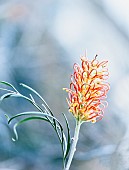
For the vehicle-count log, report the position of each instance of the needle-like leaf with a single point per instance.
(23, 121)
(68, 137)
(8, 84)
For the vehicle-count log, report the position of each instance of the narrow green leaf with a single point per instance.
(60, 132)
(64, 144)
(62, 140)
(32, 98)
(45, 105)
(34, 91)
(7, 90)
(32, 102)
(8, 84)
(44, 117)
(68, 136)
(23, 121)
(6, 96)
(33, 113)
(15, 132)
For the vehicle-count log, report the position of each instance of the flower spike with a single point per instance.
(88, 90)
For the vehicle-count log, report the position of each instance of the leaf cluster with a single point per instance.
(43, 113)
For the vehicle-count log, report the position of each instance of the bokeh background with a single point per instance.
(39, 42)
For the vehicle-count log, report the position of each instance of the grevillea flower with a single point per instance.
(88, 89)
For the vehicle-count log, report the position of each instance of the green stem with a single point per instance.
(73, 147)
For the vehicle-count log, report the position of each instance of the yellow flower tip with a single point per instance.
(70, 110)
(93, 120)
(67, 90)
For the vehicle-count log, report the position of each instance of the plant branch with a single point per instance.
(74, 144)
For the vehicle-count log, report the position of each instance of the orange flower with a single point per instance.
(88, 90)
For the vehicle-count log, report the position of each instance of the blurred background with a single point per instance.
(39, 42)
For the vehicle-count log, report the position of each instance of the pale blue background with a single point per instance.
(39, 42)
